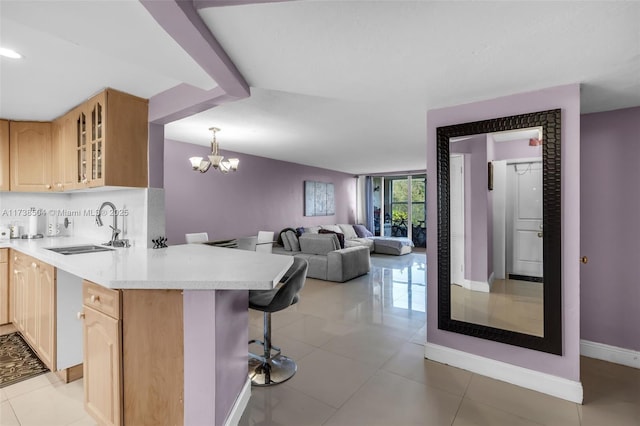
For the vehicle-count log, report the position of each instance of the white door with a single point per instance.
(525, 200)
(456, 217)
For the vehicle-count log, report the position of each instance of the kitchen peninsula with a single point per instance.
(165, 331)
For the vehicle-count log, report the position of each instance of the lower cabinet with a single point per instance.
(32, 307)
(4, 286)
(133, 355)
(102, 354)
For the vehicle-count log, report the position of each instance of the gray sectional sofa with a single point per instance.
(332, 260)
(327, 261)
(358, 235)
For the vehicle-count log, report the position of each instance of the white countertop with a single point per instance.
(187, 266)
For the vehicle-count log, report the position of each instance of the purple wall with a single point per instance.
(232, 335)
(516, 149)
(610, 209)
(568, 99)
(216, 333)
(156, 155)
(263, 194)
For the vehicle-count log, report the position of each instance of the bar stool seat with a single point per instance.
(271, 367)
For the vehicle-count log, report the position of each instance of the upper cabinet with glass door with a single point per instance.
(111, 141)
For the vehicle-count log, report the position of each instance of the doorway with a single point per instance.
(400, 207)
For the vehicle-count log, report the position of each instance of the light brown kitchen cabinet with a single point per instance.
(32, 305)
(121, 329)
(64, 165)
(46, 313)
(102, 364)
(4, 286)
(4, 155)
(17, 289)
(111, 132)
(30, 156)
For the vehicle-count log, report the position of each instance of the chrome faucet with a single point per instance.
(115, 242)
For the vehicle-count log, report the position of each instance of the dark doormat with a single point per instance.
(17, 360)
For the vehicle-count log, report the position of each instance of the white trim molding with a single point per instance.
(535, 380)
(240, 405)
(614, 354)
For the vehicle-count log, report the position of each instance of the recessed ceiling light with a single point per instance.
(9, 53)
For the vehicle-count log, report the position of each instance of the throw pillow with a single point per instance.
(340, 235)
(285, 241)
(362, 231)
(312, 229)
(349, 233)
(334, 228)
(293, 241)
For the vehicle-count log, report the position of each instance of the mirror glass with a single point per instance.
(495, 190)
(499, 230)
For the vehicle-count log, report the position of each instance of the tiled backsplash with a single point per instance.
(140, 213)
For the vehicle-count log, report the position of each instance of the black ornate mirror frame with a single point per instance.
(550, 121)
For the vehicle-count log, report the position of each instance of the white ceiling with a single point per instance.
(343, 85)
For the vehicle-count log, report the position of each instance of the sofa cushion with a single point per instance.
(285, 241)
(318, 243)
(340, 236)
(293, 241)
(348, 231)
(334, 228)
(393, 245)
(356, 242)
(362, 231)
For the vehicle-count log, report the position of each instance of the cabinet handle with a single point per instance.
(95, 299)
(47, 186)
(15, 258)
(34, 265)
(59, 185)
(80, 315)
(15, 272)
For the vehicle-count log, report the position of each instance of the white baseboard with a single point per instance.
(481, 286)
(610, 353)
(519, 376)
(240, 405)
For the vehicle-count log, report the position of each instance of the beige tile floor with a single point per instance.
(360, 357)
(511, 305)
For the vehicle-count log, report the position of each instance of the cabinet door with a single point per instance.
(64, 164)
(46, 318)
(30, 156)
(80, 123)
(102, 367)
(4, 287)
(97, 133)
(17, 289)
(30, 303)
(4, 155)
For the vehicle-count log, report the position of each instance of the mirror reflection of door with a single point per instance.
(456, 183)
(524, 242)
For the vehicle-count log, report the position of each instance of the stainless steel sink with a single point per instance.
(90, 248)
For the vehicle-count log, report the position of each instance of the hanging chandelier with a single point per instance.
(216, 160)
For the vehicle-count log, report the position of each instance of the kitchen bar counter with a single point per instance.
(182, 327)
(180, 267)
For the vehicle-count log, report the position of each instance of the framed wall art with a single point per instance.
(319, 199)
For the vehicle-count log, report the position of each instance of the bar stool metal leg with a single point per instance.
(270, 368)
